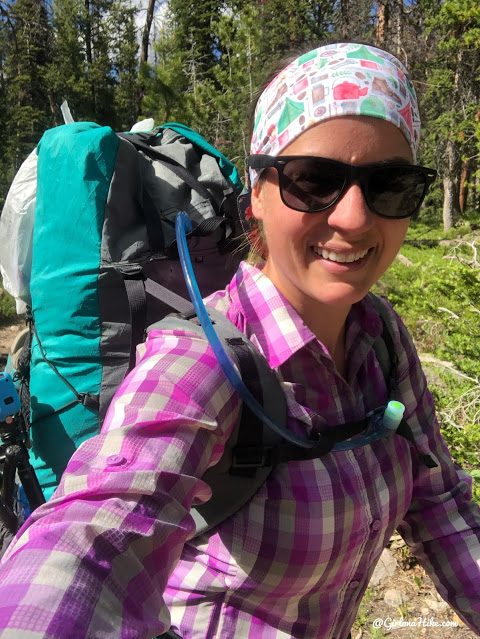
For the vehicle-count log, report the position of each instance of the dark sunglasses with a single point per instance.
(311, 184)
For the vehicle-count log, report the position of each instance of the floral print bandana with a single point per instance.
(331, 81)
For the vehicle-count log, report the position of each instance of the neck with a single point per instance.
(327, 323)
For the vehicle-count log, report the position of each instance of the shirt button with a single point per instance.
(377, 524)
(115, 460)
(358, 452)
(228, 582)
(354, 584)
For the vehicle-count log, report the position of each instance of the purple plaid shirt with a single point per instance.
(112, 554)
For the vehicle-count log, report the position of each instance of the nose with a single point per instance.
(351, 215)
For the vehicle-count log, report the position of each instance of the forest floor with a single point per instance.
(401, 601)
(8, 331)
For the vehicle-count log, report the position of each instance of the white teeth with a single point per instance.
(340, 257)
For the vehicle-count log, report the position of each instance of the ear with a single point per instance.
(257, 198)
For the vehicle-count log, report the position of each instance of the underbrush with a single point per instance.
(435, 288)
(7, 305)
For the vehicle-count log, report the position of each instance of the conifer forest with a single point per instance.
(200, 62)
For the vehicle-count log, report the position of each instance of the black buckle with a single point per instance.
(251, 457)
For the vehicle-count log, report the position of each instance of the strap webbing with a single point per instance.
(405, 431)
(136, 288)
(250, 432)
(175, 301)
(264, 456)
(137, 306)
(385, 349)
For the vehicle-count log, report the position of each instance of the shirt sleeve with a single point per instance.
(98, 555)
(442, 525)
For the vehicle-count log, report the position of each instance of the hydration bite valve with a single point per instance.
(393, 415)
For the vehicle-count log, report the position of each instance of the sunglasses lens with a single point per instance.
(311, 184)
(396, 191)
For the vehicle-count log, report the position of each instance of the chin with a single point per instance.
(341, 297)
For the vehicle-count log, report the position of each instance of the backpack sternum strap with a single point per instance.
(264, 456)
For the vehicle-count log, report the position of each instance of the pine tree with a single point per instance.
(289, 25)
(238, 75)
(125, 63)
(27, 101)
(66, 73)
(82, 71)
(453, 98)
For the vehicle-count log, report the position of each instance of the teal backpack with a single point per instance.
(103, 260)
(104, 267)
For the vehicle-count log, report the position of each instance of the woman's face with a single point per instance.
(347, 230)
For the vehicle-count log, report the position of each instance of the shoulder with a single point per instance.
(177, 373)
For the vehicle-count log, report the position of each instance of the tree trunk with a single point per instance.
(382, 22)
(451, 201)
(464, 179)
(144, 54)
(345, 16)
(146, 30)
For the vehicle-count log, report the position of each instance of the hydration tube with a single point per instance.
(183, 225)
(390, 417)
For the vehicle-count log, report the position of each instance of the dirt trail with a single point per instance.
(8, 331)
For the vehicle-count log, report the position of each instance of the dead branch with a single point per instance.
(404, 260)
(462, 243)
(429, 359)
(446, 310)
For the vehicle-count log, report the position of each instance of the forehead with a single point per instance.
(353, 140)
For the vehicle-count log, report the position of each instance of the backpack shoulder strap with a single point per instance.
(235, 478)
(385, 348)
(388, 360)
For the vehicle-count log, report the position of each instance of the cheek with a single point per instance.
(393, 232)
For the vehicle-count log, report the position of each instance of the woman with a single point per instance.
(333, 184)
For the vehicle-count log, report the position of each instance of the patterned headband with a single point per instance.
(331, 81)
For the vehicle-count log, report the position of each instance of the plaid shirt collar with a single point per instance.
(259, 308)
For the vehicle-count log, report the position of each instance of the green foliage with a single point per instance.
(451, 99)
(125, 67)
(7, 305)
(438, 298)
(26, 52)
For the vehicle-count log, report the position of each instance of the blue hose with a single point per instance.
(183, 226)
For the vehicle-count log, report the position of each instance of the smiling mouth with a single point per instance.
(340, 257)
